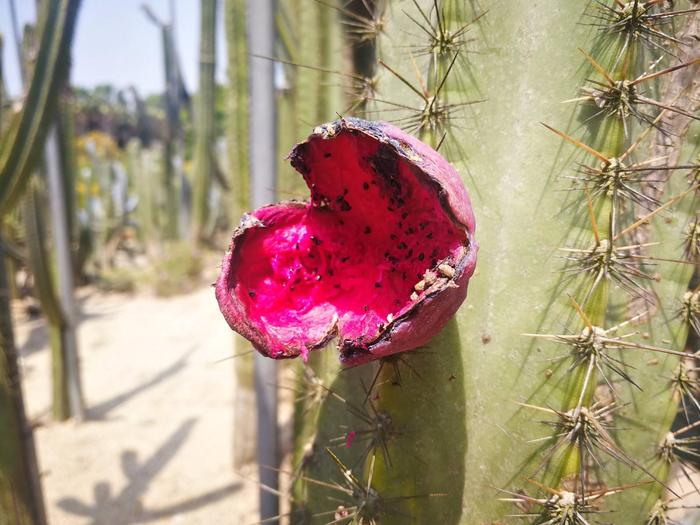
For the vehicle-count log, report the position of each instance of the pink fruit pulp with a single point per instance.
(345, 263)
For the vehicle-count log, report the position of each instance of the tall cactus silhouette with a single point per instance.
(175, 98)
(205, 135)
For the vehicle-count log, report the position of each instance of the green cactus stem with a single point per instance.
(237, 106)
(174, 98)
(205, 129)
(24, 137)
(21, 500)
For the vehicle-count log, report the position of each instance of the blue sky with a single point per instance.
(115, 43)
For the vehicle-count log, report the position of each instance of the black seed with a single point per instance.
(345, 206)
(365, 308)
(422, 225)
(434, 252)
(365, 186)
(311, 256)
(409, 254)
(404, 214)
(296, 246)
(327, 155)
(341, 222)
(393, 237)
(330, 272)
(397, 302)
(400, 203)
(402, 246)
(345, 191)
(433, 262)
(386, 255)
(367, 230)
(410, 231)
(419, 275)
(403, 276)
(251, 294)
(315, 240)
(400, 224)
(377, 285)
(393, 270)
(344, 259)
(430, 235)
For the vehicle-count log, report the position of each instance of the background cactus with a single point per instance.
(454, 433)
(50, 259)
(205, 131)
(20, 149)
(175, 99)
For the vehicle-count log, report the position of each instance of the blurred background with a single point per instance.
(124, 167)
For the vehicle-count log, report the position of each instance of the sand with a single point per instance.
(157, 447)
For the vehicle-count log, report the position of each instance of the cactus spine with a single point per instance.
(453, 432)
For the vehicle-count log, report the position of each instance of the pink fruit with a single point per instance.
(380, 258)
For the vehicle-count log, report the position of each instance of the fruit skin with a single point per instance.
(413, 326)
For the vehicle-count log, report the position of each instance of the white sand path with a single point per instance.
(157, 446)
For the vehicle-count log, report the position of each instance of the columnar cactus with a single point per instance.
(20, 147)
(175, 97)
(205, 136)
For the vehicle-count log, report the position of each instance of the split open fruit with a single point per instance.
(379, 258)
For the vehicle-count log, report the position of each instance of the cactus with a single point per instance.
(55, 295)
(66, 138)
(204, 149)
(237, 114)
(40, 265)
(27, 130)
(238, 166)
(175, 98)
(20, 487)
(22, 140)
(551, 394)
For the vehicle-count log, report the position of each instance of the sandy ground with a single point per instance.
(157, 447)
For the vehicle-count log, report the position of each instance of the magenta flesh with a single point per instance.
(384, 210)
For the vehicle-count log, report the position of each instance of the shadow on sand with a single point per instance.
(126, 507)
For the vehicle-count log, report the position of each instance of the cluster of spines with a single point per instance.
(621, 196)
